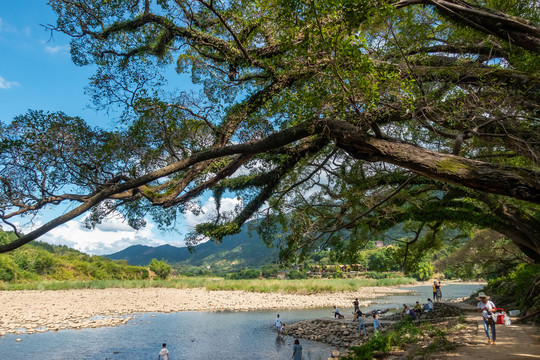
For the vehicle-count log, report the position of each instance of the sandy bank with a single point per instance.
(38, 311)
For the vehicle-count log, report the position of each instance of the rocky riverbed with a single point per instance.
(343, 333)
(38, 311)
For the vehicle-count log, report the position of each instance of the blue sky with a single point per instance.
(36, 73)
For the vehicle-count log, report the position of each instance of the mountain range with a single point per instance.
(236, 251)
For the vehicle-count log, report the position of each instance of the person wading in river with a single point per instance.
(297, 350)
(163, 353)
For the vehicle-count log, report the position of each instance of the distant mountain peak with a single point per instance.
(239, 250)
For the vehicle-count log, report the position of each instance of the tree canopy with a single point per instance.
(335, 120)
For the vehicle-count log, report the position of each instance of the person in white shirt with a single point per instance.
(279, 325)
(486, 307)
(163, 353)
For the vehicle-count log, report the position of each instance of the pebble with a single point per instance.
(47, 310)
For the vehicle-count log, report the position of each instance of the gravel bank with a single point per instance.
(38, 311)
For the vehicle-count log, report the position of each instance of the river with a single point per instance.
(197, 335)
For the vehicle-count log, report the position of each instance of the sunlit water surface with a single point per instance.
(196, 335)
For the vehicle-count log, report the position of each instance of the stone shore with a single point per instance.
(344, 333)
(30, 311)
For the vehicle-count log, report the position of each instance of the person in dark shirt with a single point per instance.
(297, 350)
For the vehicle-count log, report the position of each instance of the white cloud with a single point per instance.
(110, 236)
(6, 27)
(4, 84)
(64, 49)
(114, 234)
(208, 210)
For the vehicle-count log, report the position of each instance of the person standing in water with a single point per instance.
(297, 350)
(337, 313)
(279, 325)
(163, 353)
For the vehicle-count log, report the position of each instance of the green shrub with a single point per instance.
(244, 274)
(517, 290)
(424, 271)
(161, 268)
(269, 271)
(44, 262)
(297, 274)
(8, 268)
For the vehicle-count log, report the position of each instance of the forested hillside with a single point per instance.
(237, 251)
(41, 261)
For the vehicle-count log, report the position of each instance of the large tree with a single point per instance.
(313, 112)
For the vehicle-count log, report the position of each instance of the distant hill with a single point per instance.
(39, 261)
(237, 251)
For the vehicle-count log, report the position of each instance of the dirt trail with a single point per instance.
(513, 342)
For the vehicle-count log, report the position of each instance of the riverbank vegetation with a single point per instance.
(520, 289)
(402, 335)
(41, 266)
(40, 261)
(308, 286)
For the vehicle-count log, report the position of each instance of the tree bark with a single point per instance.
(514, 30)
(492, 178)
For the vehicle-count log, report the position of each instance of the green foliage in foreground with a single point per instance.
(405, 332)
(309, 286)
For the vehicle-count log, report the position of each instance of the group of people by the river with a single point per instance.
(359, 316)
(485, 306)
(297, 348)
(414, 312)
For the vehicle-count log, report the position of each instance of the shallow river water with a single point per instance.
(197, 335)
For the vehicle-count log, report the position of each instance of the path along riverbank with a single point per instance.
(30, 311)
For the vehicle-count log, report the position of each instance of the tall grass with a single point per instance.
(305, 286)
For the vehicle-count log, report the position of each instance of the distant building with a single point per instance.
(379, 244)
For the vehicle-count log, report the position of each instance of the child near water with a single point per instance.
(163, 353)
(376, 323)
